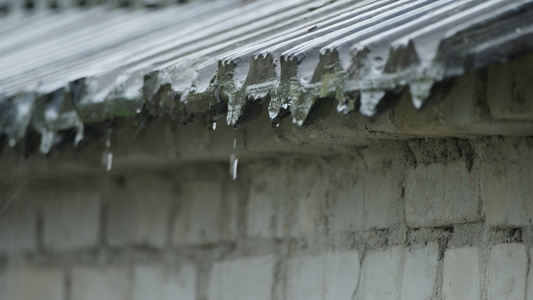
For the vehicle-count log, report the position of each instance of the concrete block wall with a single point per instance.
(422, 219)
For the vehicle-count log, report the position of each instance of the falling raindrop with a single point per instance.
(47, 141)
(213, 126)
(138, 110)
(275, 124)
(233, 162)
(79, 135)
(109, 161)
(107, 155)
(420, 91)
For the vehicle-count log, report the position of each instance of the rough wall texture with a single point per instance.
(429, 204)
(416, 219)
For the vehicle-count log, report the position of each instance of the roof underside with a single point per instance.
(229, 59)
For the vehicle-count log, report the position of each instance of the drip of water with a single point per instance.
(79, 136)
(109, 163)
(233, 162)
(284, 111)
(47, 141)
(107, 156)
(213, 126)
(420, 91)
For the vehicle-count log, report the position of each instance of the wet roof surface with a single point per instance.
(225, 59)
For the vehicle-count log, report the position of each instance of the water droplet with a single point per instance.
(342, 108)
(213, 126)
(275, 124)
(109, 161)
(79, 136)
(417, 102)
(233, 162)
(138, 110)
(107, 155)
(47, 141)
(420, 91)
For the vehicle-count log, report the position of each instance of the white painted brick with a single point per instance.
(71, 220)
(379, 273)
(200, 218)
(138, 213)
(529, 291)
(370, 200)
(349, 207)
(164, 283)
(233, 193)
(89, 283)
(420, 272)
(242, 279)
(507, 192)
(382, 193)
(306, 198)
(461, 279)
(306, 278)
(342, 275)
(331, 276)
(508, 265)
(28, 283)
(266, 204)
(286, 200)
(441, 195)
(18, 223)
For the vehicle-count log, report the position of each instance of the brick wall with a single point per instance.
(423, 219)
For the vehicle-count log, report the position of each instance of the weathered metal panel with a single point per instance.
(228, 59)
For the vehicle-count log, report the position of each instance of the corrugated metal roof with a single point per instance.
(32, 6)
(225, 59)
